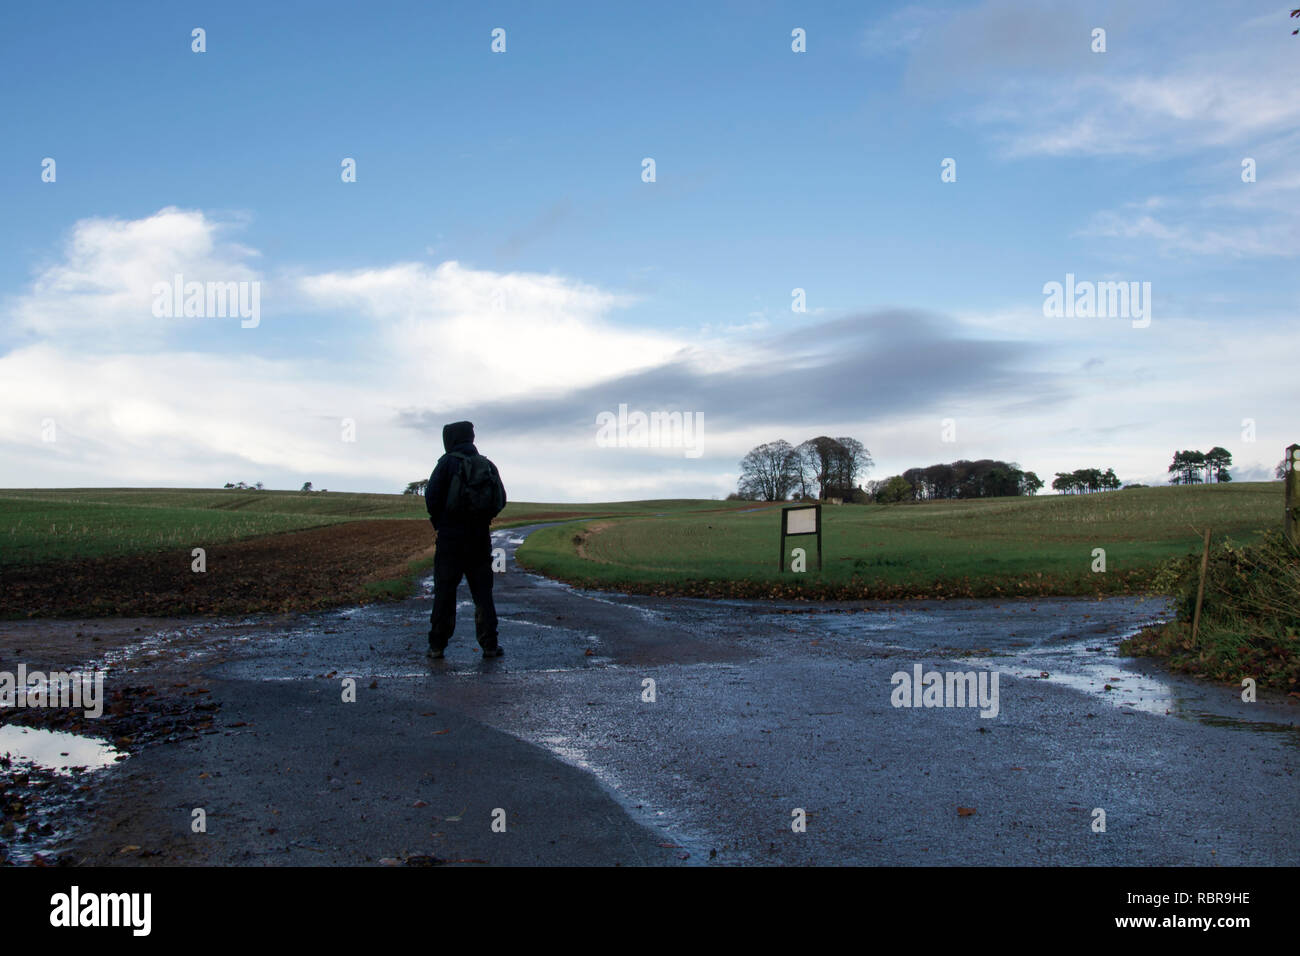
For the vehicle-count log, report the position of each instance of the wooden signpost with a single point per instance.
(1291, 526)
(800, 520)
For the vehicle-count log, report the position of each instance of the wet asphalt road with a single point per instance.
(759, 710)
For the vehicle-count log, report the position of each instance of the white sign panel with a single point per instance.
(801, 521)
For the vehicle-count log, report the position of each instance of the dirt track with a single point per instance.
(298, 570)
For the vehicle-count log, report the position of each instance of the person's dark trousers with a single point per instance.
(454, 558)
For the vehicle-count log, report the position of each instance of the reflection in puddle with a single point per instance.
(1104, 675)
(1107, 680)
(1235, 723)
(55, 749)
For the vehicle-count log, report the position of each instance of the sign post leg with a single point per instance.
(1291, 525)
(819, 537)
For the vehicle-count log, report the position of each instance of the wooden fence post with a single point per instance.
(1200, 588)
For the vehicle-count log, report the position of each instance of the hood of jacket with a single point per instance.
(457, 433)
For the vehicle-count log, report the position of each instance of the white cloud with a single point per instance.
(459, 336)
(103, 283)
(1168, 84)
(143, 405)
(149, 412)
(1203, 103)
(1275, 238)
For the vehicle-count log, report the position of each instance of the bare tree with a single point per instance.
(770, 471)
(819, 460)
(854, 461)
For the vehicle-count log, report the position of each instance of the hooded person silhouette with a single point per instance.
(462, 497)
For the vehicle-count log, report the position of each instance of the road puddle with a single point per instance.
(54, 750)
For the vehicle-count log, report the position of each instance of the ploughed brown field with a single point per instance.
(295, 570)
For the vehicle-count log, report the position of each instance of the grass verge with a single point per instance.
(969, 549)
(1250, 616)
(399, 588)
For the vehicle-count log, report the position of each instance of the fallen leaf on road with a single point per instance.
(965, 811)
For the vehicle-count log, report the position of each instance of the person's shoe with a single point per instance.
(434, 654)
(497, 651)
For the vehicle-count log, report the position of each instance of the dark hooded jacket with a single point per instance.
(456, 437)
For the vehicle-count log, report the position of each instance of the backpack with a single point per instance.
(476, 490)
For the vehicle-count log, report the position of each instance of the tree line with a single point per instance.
(985, 478)
(258, 486)
(1196, 467)
(1084, 481)
(825, 467)
(820, 467)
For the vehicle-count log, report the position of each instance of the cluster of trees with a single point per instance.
(985, 478)
(1083, 481)
(821, 467)
(416, 487)
(891, 490)
(826, 467)
(258, 486)
(1196, 467)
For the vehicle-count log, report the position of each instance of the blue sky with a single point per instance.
(500, 257)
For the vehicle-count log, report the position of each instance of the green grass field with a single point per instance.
(991, 547)
(40, 525)
(53, 525)
(978, 548)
